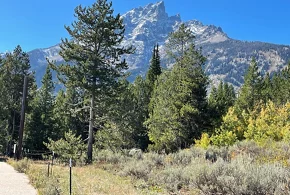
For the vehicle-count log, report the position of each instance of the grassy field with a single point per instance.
(85, 180)
(244, 168)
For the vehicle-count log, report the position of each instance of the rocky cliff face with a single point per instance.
(228, 59)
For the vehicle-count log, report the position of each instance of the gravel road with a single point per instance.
(14, 183)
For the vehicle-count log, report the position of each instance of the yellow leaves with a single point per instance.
(271, 122)
(264, 123)
(224, 138)
(204, 141)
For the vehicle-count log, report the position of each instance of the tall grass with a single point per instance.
(245, 168)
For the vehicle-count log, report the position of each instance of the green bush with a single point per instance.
(70, 147)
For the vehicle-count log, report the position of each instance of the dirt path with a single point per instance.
(14, 183)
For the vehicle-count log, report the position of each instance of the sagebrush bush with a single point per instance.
(241, 176)
(108, 156)
(172, 178)
(138, 169)
(155, 158)
(181, 158)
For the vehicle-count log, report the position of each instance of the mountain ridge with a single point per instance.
(145, 26)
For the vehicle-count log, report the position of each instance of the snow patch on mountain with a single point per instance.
(228, 59)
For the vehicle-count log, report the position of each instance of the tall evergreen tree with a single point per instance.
(179, 42)
(14, 67)
(280, 86)
(220, 99)
(250, 92)
(155, 68)
(94, 49)
(266, 88)
(179, 99)
(41, 122)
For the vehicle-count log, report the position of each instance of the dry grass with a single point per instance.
(87, 180)
(244, 168)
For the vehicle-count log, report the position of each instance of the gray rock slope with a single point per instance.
(228, 59)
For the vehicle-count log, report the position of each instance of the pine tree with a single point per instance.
(179, 99)
(14, 67)
(154, 69)
(41, 123)
(250, 92)
(266, 89)
(280, 86)
(220, 100)
(179, 42)
(94, 49)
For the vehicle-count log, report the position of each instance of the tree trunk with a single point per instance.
(12, 133)
(91, 125)
(22, 119)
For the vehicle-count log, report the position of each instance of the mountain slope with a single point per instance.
(228, 59)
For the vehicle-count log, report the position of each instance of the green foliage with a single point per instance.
(277, 88)
(70, 147)
(93, 55)
(114, 137)
(250, 92)
(179, 101)
(179, 42)
(40, 122)
(94, 52)
(154, 69)
(13, 68)
(220, 99)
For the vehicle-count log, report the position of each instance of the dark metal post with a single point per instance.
(48, 169)
(22, 119)
(70, 165)
(52, 161)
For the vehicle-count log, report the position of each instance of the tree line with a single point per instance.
(167, 110)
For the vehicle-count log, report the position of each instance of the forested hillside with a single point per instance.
(168, 110)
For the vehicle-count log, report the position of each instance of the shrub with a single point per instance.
(108, 156)
(139, 169)
(52, 187)
(241, 176)
(155, 158)
(173, 178)
(136, 153)
(181, 158)
(70, 147)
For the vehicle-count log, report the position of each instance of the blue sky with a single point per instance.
(40, 23)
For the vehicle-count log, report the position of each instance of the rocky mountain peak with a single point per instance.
(145, 26)
(151, 12)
